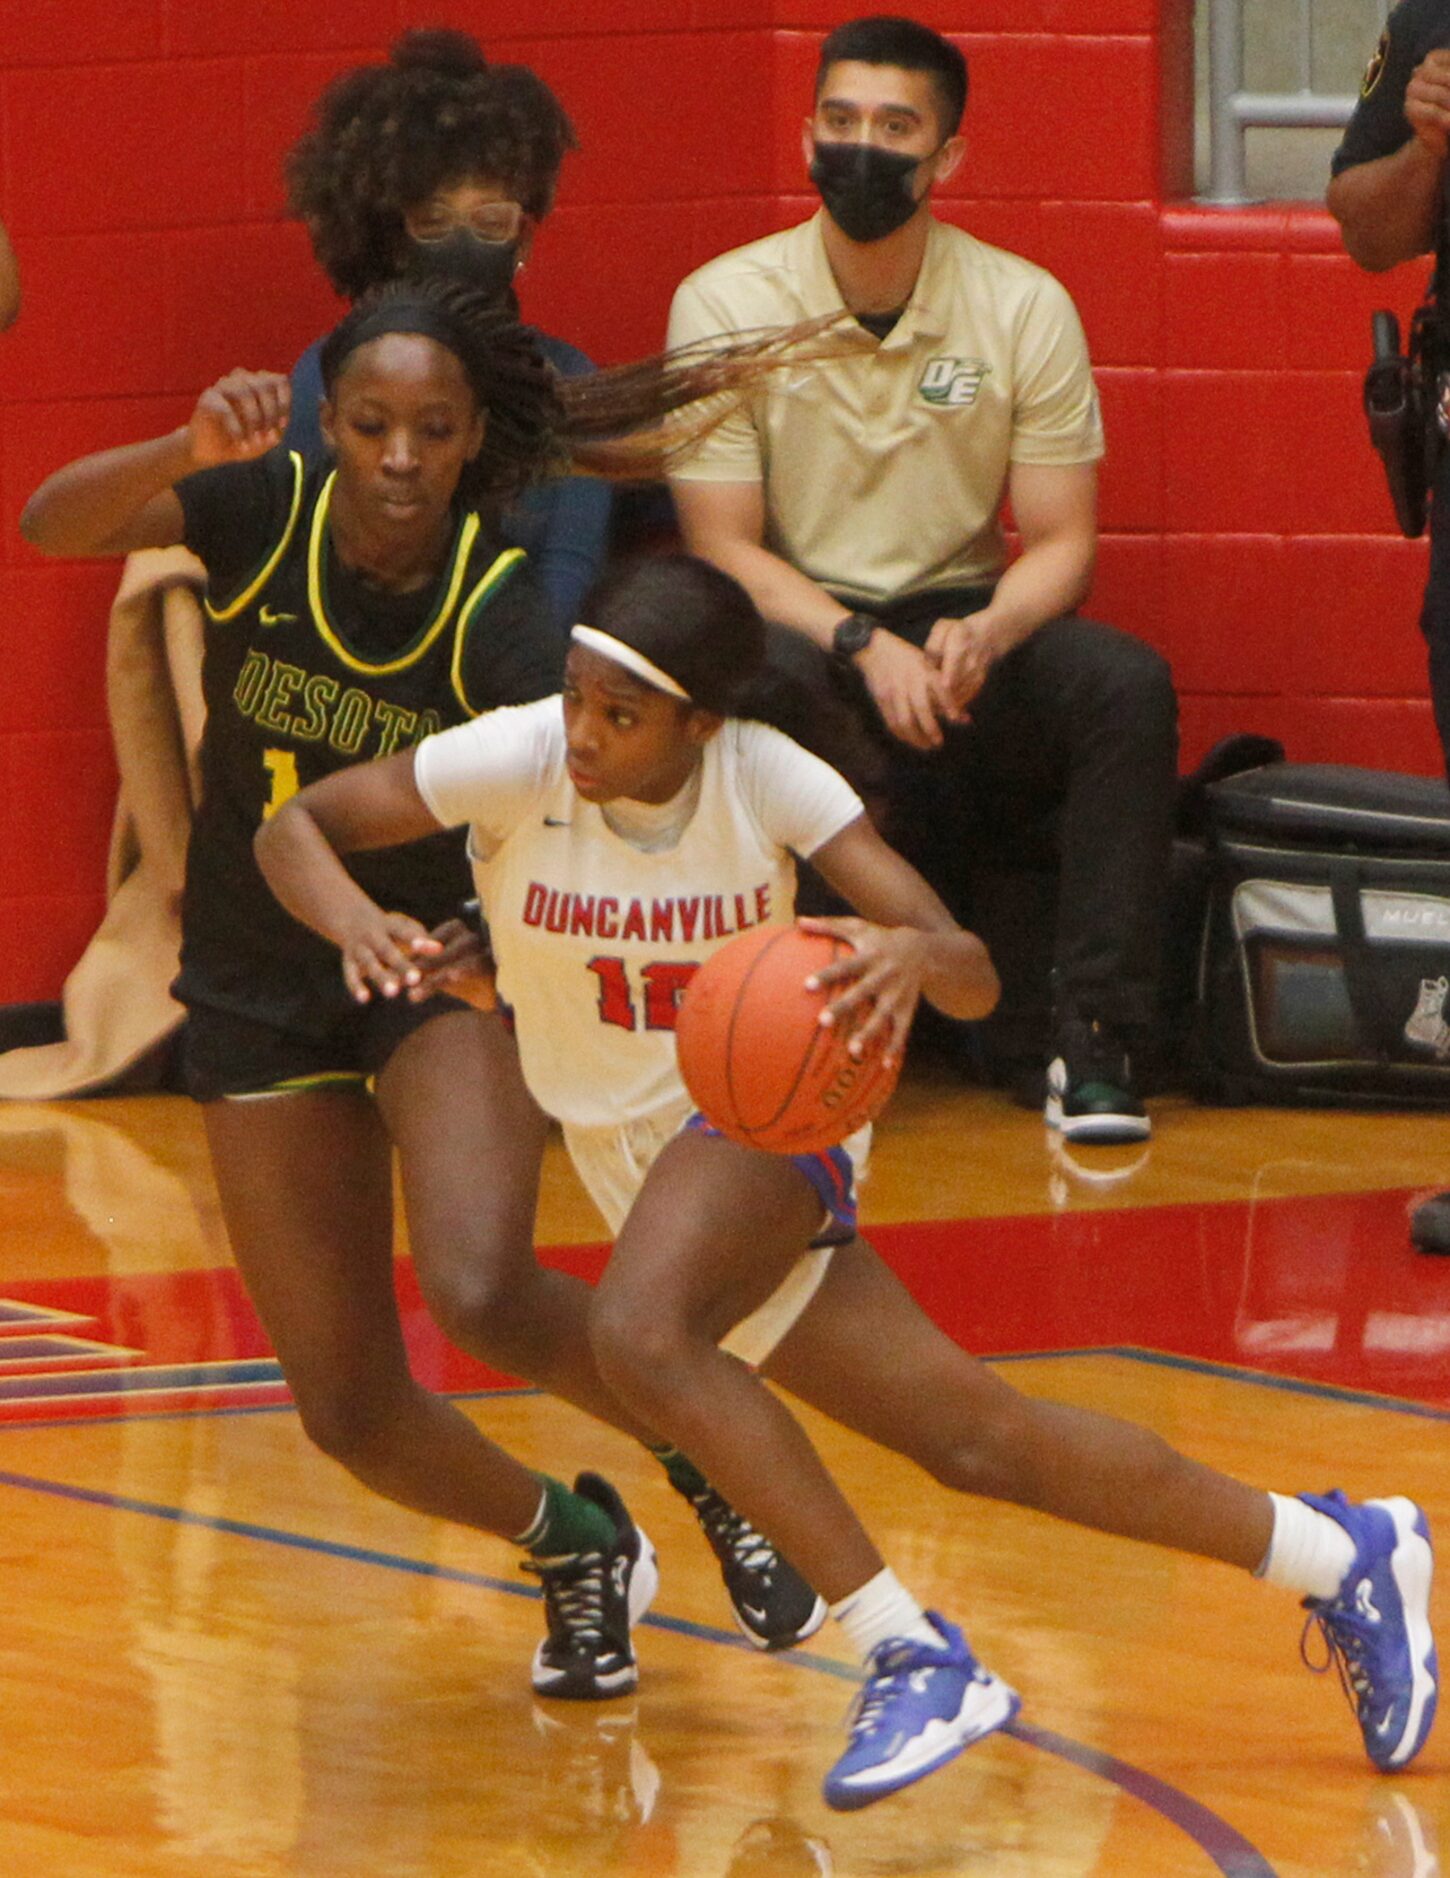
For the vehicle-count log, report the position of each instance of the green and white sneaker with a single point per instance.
(1091, 1094)
(593, 1600)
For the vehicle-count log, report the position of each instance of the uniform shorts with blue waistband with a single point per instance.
(612, 1162)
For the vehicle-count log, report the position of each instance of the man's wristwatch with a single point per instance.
(852, 635)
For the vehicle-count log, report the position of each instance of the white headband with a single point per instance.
(611, 648)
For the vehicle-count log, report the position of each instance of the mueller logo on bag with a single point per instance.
(1428, 919)
(1325, 965)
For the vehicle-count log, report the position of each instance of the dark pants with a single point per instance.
(1066, 777)
(1435, 614)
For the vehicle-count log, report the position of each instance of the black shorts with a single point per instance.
(224, 1054)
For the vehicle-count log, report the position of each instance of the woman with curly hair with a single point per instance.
(441, 163)
(353, 607)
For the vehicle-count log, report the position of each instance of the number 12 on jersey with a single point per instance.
(662, 984)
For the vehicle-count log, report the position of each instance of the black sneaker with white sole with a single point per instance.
(593, 1600)
(774, 1606)
(1091, 1094)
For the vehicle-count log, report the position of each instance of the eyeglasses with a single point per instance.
(497, 222)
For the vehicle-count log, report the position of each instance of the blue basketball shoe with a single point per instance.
(917, 1710)
(1377, 1628)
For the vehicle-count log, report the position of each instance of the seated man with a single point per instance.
(862, 505)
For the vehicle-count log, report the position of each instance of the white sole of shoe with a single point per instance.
(986, 1707)
(1105, 1129)
(644, 1582)
(1412, 1564)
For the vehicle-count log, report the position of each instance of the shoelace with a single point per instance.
(894, 1663)
(731, 1533)
(1346, 1643)
(574, 1594)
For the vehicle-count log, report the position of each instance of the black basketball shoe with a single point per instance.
(593, 1600)
(774, 1606)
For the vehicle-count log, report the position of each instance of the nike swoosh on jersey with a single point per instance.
(269, 618)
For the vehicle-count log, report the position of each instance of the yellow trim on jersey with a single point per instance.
(320, 1080)
(501, 569)
(269, 566)
(328, 632)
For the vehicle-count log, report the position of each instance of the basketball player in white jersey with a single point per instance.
(604, 824)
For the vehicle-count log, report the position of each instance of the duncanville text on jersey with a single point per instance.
(705, 916)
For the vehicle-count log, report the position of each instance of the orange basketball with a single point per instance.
(755, 1056)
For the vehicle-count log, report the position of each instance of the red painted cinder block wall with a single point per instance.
(1246, 530)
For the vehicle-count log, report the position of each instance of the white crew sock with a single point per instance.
(883, 1608)
(1309, 1552)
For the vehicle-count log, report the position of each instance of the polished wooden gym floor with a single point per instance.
(219, 1657)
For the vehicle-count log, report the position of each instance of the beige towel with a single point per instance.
(117, 1008)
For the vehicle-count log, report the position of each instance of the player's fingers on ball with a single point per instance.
(845, 971)
(843, 1014)
(873, 1027)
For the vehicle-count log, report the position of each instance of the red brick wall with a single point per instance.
(1246, 530)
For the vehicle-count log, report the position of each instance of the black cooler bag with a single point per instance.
(1325, 970)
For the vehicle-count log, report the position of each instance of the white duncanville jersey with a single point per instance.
(595, 938)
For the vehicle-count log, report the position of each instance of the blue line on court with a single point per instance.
(266, 1370)
(159, 1378)
(287, 1407)
(1229, 1850)
(1232, 1855)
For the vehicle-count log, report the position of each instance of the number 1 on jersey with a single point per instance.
(281, 766)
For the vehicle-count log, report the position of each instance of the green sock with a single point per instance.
(685, 1477)
(566, 1523)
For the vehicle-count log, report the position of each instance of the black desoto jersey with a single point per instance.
(308, 668)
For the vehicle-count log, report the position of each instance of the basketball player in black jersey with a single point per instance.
(351, 609)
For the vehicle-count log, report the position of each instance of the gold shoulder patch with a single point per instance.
(1375, 70)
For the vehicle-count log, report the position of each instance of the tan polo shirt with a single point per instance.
(884, 473)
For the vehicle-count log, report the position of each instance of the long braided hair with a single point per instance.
(627, 422)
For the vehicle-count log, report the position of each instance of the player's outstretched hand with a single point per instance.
(462, 966)
(240, 417)
(880, 981)
(383, 952)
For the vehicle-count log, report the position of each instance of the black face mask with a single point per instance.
(867, 190)
(488, 267)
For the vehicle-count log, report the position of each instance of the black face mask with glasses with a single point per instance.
(487, 267)
(479, 250)
(867, 190)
